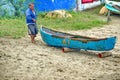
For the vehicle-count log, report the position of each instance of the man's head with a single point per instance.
(31, 6)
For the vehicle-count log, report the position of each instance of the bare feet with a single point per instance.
(33, 41)
(33, 38)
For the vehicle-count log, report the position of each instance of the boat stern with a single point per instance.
(110, 43)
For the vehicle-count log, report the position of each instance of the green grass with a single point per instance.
(16, 27)
(80, 20)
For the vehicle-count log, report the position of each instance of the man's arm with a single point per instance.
(33, 20)
(28, 16)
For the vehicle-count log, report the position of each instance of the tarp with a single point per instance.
(49, 5)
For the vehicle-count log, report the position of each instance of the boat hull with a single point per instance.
(97, 45)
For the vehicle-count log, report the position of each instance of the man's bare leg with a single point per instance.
(32, 38)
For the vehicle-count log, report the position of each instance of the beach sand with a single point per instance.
(22, 60)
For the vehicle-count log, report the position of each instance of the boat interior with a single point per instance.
(58, 34)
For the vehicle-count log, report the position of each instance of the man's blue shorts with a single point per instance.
(32, 29)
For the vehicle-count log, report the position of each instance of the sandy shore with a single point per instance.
(22, 60)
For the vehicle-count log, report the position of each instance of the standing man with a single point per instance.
(31, 22)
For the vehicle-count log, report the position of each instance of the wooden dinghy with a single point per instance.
(113, 6)
(65, 40)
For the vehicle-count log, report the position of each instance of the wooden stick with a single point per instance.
(104, 54)
(108, 16)
(69, 50)
(99, 54)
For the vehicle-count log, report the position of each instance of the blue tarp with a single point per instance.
(49, 5)
(7, 8)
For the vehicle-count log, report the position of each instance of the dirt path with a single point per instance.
(22, 60)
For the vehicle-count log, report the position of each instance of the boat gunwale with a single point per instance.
(77, 39)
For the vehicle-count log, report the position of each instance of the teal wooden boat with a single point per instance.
(65, 40)
(113, 7)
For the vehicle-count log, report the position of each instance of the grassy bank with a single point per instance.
(16, 27)
(80, 20)
(12, 27)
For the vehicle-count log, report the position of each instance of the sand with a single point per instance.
(22, 60)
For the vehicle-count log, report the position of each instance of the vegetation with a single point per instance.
(17, 6)
(80, 20)
(15, 27)
(13, 7)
